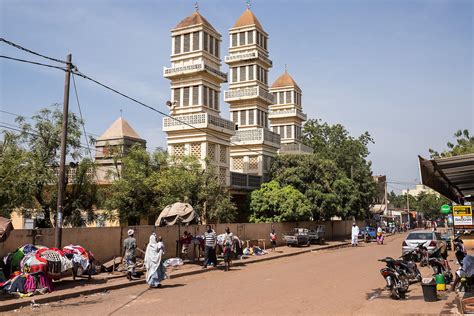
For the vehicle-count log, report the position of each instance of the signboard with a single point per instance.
(445, 209)
(462, 216)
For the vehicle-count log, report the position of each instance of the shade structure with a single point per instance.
(6, 227)
(176, 213)
(452, 177)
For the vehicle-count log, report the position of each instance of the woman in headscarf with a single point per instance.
(155, 270)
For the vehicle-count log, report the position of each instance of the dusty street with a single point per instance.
(341, 281)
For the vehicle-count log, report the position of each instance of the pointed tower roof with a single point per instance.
(194, 19)
(247, 19)
(285, 80)
(119, 129)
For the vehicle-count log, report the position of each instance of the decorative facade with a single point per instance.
(116, 140)
(286, 115)
(196, 127)
(253, 145)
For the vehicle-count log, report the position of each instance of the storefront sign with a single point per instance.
(462, 216)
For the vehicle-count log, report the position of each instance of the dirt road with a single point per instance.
(341, 281)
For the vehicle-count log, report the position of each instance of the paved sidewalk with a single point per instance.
(67, 288)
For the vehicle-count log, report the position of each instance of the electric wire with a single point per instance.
(32, 62)
(31, 52)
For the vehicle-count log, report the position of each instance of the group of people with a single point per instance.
(154, 254)
(356, 231)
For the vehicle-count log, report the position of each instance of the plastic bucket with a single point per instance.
(429, 291)
(440, 282)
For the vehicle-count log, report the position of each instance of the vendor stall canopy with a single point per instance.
(181, 213)
(452, 177)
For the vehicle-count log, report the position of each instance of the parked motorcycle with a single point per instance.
(440, 266)
(419, 254)
(396, 278)
(411, 270)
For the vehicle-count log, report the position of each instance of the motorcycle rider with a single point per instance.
(379, 235)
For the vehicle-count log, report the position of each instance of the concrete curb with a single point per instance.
(15, 304)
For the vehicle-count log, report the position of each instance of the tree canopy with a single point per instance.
(336, 179)
(273, 203)
(151, 181)
(428, 204)
(29, 165)
(464, 145)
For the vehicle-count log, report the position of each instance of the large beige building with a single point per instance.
(286, 115)
(253, 145)
(195, 127)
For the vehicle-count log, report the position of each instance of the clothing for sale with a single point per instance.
(53, 258)
(174, 262)
(79, 255)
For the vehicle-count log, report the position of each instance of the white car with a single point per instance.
(431, 240)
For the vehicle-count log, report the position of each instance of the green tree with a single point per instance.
(273, 203)
(38, 145)
(131, 194)
(464, 145)
(150, 182)
(333, 142)
(429, 204)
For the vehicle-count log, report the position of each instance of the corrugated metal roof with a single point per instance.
(452, 177)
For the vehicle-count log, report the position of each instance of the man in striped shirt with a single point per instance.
(210, 247)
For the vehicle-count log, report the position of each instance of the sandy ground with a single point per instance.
(341, 281)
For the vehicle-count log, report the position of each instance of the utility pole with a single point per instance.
(408, 207)
(386, 201)
(62, 162)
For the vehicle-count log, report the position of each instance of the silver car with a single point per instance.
(431, 240)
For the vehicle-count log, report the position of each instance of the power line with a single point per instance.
(32, 52)
(19, 115)
(18, 129)
(156, 110)
(32, 62)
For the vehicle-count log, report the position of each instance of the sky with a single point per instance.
(401, 70)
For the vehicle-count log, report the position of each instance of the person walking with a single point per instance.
(273, 239)
(228, 246)
(355, 235)
(185, 241)
(129, 255)
(210, 240)
(155, 270)
(379, 235)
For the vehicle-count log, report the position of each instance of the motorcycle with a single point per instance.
(440, 266)
(409, 266)
(395, 277)
(459, 249)
(419, 254)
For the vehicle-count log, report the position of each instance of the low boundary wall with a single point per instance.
(106, 242)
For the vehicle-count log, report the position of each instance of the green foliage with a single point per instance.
(464, 145)
(427, 203)
(336, 179)
(30, 160)
(273, 203)
(150, 182)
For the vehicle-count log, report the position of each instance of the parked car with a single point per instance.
(298, 237)
(431, 240)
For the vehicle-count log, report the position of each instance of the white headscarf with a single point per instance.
(153, 255)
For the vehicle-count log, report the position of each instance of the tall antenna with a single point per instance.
(121, 113)
(249, 5)
(196, 6)
(286, 68)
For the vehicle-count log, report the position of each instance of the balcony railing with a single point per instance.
(295, 148)
(200, 120)
(248, 93)
(188, 69)
(244, 181)
(285, 113)
(241, 56)
(256, 135)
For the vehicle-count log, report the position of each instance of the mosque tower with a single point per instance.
(254, 145)
(286, 116)
(196, 127)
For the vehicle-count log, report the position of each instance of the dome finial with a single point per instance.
(249, 5)
(286, 68)
(196, 6)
